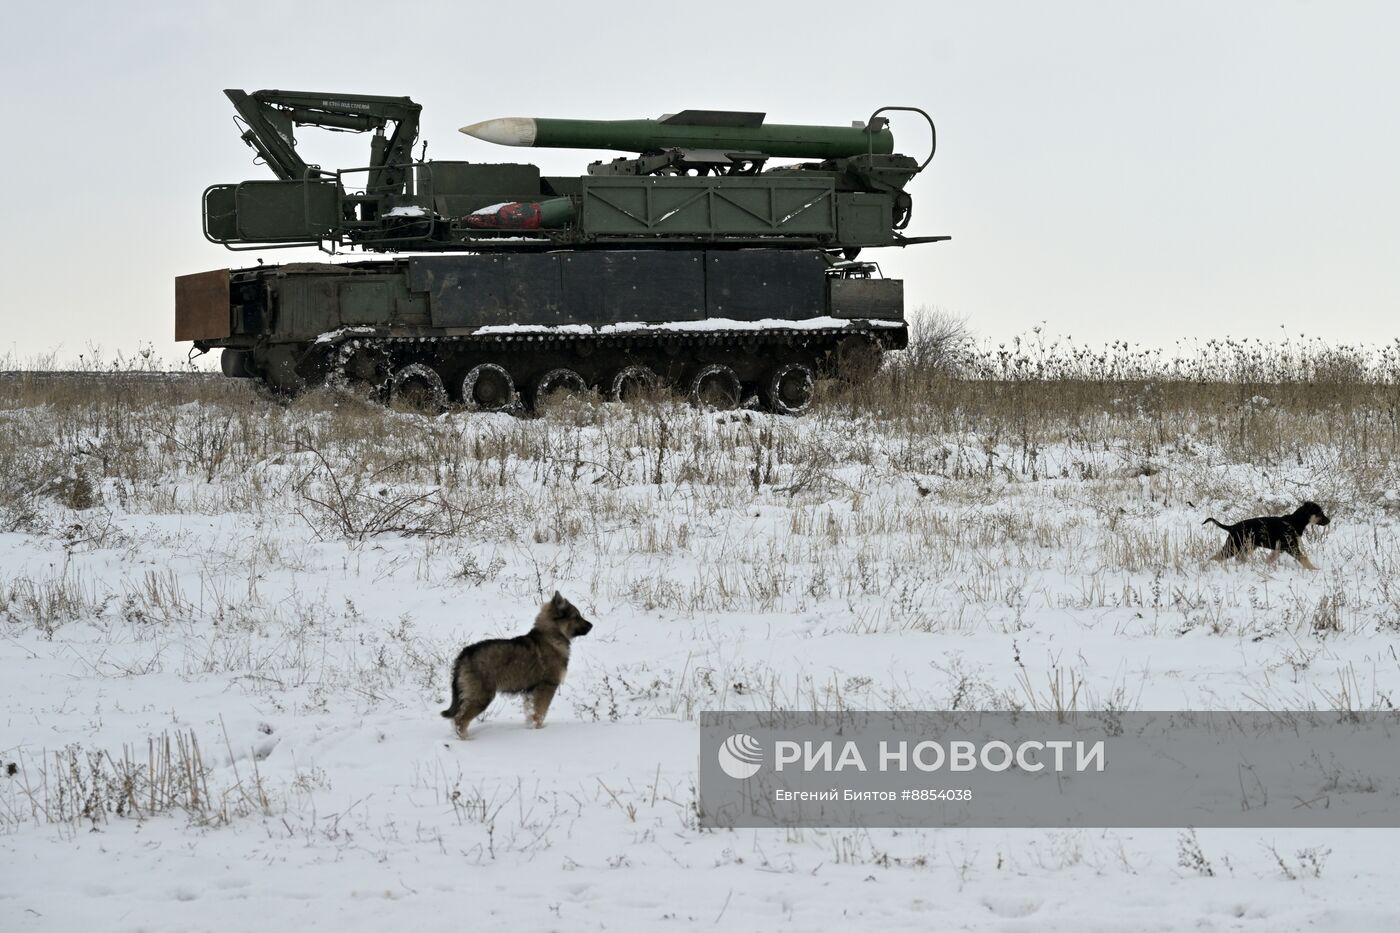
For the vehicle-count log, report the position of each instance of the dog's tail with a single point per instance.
(1217, 524)
(456, 694)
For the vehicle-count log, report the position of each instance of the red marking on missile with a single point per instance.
(519, 215)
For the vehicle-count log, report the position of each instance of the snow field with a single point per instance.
(226, 624)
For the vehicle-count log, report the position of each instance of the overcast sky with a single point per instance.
(1147, 172)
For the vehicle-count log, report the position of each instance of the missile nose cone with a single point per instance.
(504, 131)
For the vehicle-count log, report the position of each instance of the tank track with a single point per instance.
(498, 371)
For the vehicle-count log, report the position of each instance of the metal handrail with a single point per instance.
(933, 132)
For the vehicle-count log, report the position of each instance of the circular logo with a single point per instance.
(740, 756)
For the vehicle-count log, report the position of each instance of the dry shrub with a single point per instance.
(1260, 403)
(77, 787)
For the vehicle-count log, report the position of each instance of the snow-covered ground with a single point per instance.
(226, 625)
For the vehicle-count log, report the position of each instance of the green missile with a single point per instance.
(693, 130)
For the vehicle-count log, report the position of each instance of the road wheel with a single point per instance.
(633, 382)
(788, 389)
(357, 364)
(488, 387)
(417, 387)
(557, 382)
(716, 386)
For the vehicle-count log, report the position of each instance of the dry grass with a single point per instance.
(1257, 403)
(940, 496)
(1260, 403)
(77, 787)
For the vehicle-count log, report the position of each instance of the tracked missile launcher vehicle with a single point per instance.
(692, 262)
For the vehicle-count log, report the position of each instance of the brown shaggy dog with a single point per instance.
(532, 664)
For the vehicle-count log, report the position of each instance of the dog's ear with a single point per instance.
(557, 601)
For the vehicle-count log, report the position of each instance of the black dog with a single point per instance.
(1282, 534)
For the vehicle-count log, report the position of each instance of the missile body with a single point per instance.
(692, 130)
